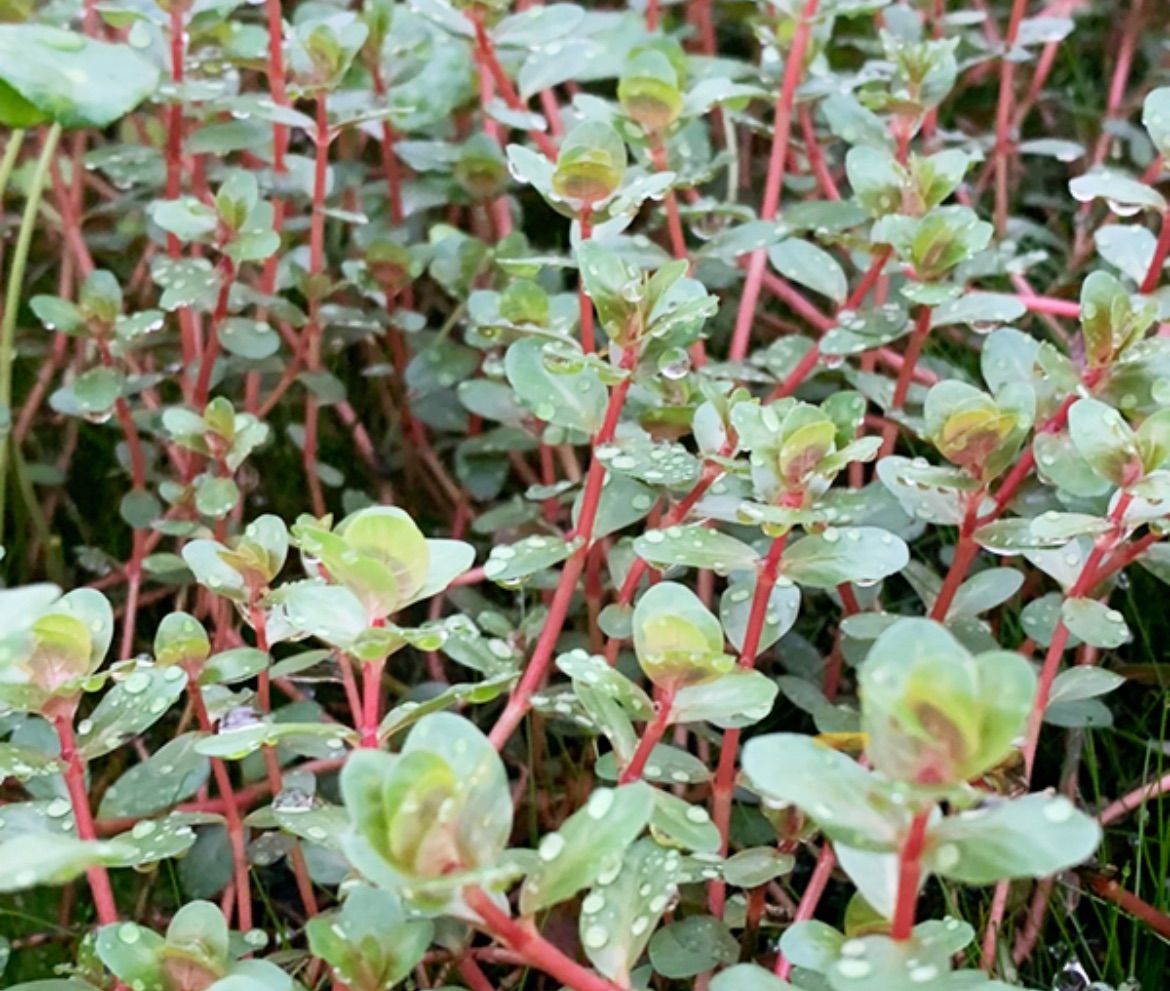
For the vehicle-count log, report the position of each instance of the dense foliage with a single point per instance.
(576, 496)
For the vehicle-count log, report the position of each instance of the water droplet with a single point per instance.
(1058, 810)
(128, 933)
(697, 813)
(854, 968)
(593, 903)
(927, 972)
(600, 802)
(143, 829)
(674, 363)
(947, 856)
(551, 846)
(596, 937)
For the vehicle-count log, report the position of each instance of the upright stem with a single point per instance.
(909, 876)
(486, 56)
(1158, 260)
(584, 303)
(1003, 139)
(28, 222)
(1088, 576)
(8, 162)
(313, 329)
(521, 696)
(371, 702)
(965, 551)
(231, 810)
(276, 80)
(724, 784)
(654, 731)
(906, 374)
(74, 774)
(781, 130)
(817, 883)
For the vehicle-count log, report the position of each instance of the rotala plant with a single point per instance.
(590, 496)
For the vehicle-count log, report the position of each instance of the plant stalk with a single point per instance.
(12, 296)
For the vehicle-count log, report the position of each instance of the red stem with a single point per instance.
(1003, 142)
(724, 784)
(584, 303)
(211, 345)
(231, 811)
(520, 698)
(781, 131)
(650, 738)
(909, 876)
(276, 80)
(371, 703)
(313, 328)
(74, 774)
(523, 938)
(1161, 249)
(817, 883)
(965, 551)
(805, 366)
(906, 374)
(486, 53)
(1104, 544)
(1110, 890)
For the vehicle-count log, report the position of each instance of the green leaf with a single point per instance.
(935, 714)
(1156, 118)
(231, 666)
(748, 977)
(1103, 438)
(1124, 195)
(805, 263)
(58, 75)
(848, 802)
(735, 606)
(52, 858)
(696, 944)
(1095, 623)
(1083, 682)
(573, 399)
(369, 943)
(1129, 247)
(981, 311)
(985, 590)
(26, 763)
(1033, 836)
(510, 564)
(216, 497)
(133, 954)
(170, 775)
(620, 913)
(312, 739)
(677, 639)
(58, 314)
(733, 700)
(695, 546)
(756, 866)
(575, 855)
(132, 705)
(186, 217)
(863, 555)
(682, 824)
